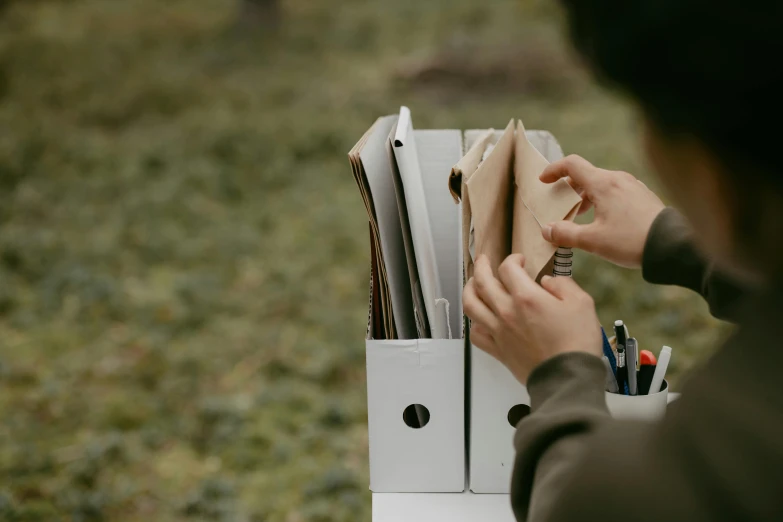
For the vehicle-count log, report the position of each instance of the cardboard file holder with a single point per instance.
(416, 387)
(497, 400)
(416, 415)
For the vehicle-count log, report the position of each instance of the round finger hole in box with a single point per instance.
(517, 413)
(416, 416)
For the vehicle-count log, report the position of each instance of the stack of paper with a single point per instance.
(416, 254)
(373, 174)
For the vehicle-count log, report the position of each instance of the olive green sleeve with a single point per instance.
(567, 403)
(671, 258)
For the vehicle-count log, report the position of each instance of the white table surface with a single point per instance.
(437, 507)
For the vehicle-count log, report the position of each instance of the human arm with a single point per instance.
(715, 456)
(712, 458)
(633, 228)
(670, 257)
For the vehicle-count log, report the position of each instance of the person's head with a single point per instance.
(706, 75)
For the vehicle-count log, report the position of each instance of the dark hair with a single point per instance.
(708, 69)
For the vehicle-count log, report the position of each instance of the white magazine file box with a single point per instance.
(403, 375)
(497, 400)
(400, 375)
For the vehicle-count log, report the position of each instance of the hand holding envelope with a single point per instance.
(504, 207)
(506, 204)
(521, 323)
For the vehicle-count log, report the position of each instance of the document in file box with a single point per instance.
(506, 202)
(419, 311)
(373, 174)
(407, 157)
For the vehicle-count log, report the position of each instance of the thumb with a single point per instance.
(569, 234)
(560, 287)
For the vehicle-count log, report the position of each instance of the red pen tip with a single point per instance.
(647, 357)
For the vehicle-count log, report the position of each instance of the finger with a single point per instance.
(480, 329)
(583, 175)
(573, 166)
(480, 336)
(475, 308)
(487, 286)
(585, 206)
(515, 259)
(481, 340)
(517, 281)
(570, 234)
(560, 287)
(574, 184)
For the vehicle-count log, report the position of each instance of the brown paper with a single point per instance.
(508, 204)
(464, 171)
(383, 318)
(537, 204)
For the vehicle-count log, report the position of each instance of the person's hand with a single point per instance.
(624, 212)
(523, 324)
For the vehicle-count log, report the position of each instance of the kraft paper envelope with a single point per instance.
(490, 192)
(537, 204)
(381, 311)
(507, 203)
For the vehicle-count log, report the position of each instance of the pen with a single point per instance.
(647, 363)
(619, 332)
(608, 352)
(660, 369)
(622, 370)
(611, 383)
(647, 357)
(630, 362)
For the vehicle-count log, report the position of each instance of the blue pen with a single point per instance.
(608, 352)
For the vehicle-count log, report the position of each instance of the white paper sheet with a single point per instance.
(379, 176)
(421, 232)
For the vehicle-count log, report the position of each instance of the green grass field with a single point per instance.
(184, 256)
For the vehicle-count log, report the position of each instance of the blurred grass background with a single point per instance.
(184, 255)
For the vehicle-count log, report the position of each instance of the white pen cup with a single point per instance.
(639, 407)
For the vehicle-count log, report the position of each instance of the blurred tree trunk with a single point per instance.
(259, 14)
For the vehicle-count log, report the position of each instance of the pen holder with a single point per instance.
(639, 407)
